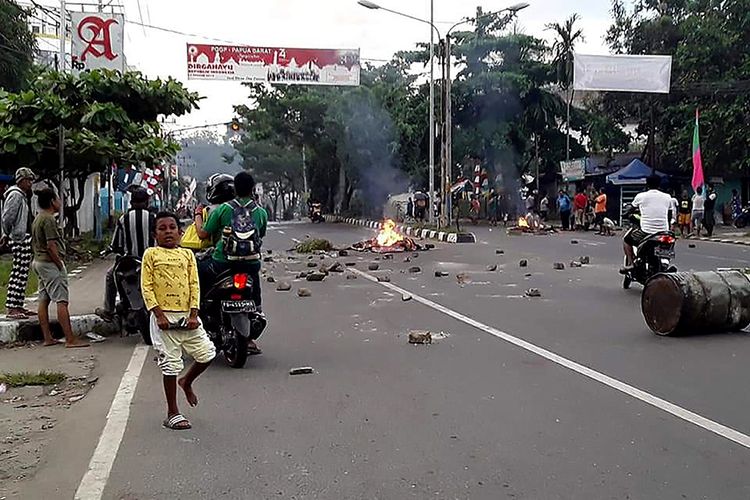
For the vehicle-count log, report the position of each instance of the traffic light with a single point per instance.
(234, 126)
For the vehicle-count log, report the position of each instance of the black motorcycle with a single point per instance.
(316, 213)
(743, 219)
(654, 255)
(130, 311)
(230, 316)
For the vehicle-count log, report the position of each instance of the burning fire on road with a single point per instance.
(388, 240)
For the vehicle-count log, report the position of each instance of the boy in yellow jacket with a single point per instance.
(169, 282)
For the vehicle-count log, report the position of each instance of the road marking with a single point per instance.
(280, 231)
(93, 482)
(655, 401)
(296, 240)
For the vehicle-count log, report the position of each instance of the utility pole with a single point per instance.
(305, 195)
(448, 130)
(431, 214)
(61, 131)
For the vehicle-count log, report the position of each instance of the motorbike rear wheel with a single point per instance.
(235, 350)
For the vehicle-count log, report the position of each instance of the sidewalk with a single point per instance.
(727, 234)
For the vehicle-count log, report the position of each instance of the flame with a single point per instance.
(522, 222)
(388, 236)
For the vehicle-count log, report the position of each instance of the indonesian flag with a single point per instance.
(698, 179)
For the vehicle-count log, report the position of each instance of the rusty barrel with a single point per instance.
(695, 303)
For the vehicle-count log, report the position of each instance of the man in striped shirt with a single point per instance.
(133, 235)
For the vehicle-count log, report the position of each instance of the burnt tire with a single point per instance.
(235, 350)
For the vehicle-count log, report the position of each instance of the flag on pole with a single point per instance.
(698, 179)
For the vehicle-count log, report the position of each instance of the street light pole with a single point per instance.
(431, 216)
(61, 132)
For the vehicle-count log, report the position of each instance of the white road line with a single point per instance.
(280, 231)
(657, 402)
(296, 240)
(93, 482)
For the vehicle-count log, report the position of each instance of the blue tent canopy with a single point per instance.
(635, 173)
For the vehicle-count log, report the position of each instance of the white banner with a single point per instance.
(97, 41)
(622, 73)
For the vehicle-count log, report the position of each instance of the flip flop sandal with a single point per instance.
(174, 422)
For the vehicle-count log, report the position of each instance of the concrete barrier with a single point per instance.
(29, 329)
(446, 237)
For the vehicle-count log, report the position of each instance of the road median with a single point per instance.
(430, 234)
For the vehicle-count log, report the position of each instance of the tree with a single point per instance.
(17, 46)
(107, 117)
(709, 72)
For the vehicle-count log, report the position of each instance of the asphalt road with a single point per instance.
(478, 414)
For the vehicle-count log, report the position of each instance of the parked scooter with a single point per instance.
(230, 316)
(130, 310)
(743, 219)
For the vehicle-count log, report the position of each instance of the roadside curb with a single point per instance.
(445, 237)
(28, 329)
(722, 240)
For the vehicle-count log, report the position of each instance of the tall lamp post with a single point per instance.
(371, 5)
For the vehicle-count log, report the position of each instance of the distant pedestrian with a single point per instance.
(530, 202)
(49, 254)
(169, 282)
(683, 214)
(709, 215)
(600, 210)
(493, 208)
(16, 224)
(580, 202)
(736, 204)
(410, 208)
(674, 208)
(608, 227)
(475, 208)
(544, 207)
(697, 212)
(564, 205)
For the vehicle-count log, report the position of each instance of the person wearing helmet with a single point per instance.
(133, 234)
(219, 190)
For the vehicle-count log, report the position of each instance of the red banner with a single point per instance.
(274, 65)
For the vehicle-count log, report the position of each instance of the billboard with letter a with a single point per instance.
(274, 65)
(622, 73)
(97, 41)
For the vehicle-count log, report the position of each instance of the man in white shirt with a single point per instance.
(697, 213)
(654, 206)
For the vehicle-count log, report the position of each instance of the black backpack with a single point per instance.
(242, 238)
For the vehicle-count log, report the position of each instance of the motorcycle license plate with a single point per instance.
(237, 306)
(664, 252)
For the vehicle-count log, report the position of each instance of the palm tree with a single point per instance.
(567, 36)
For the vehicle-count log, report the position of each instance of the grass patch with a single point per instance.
(314, 245)
(6, 263)
(21, 379)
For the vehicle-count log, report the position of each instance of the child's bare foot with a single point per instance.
(192, 399)
(76, 343)
(48, 343)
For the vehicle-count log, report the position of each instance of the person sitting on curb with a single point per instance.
(16, 222)
(169, 283)
(49, 252)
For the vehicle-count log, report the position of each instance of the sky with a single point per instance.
(313, 23)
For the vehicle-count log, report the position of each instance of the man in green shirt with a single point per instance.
(213, 228)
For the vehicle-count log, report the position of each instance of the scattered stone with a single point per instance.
(573, 242)
(351, 276)
(284, 286)
(336, 267)
(312, 264)
(429, 246)
(406, 297)
(575, 263)
(373, 266)
(384, 279)
(271, 279)
(528, 275)
(322, 257)
(499, 252)
(376, 258)
(559, 266)
(309, 257)
(462, 278)
(77, 398)
(302, 370)
(523, 263)
(492, 268)
(691, 245)
(269, 252)
(533, 292)
(350, 264)
(415, 269)
(388, 256)
(343, 253)
(304, 292)
(414, 255)
(268, 259)
(407, 259)
(92, 380)
(420, 337)
(54, 392)
(441, 274)
(316, 276)
(585, 260)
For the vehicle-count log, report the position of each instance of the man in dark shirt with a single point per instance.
(134, 233)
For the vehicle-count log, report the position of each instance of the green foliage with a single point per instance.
(108, 117)
(710, 71)
(21, 379)
(18, 45)
(314, 245)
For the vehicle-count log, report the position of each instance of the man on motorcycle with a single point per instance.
(134, 233)
(654, 206)
(219, 227)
